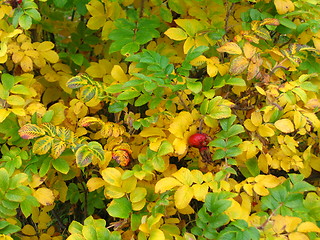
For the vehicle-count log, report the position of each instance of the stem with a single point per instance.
(263, 225)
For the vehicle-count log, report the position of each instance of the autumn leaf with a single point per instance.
(230, 47)
(284, 6)
(44, 196)
(284, 125)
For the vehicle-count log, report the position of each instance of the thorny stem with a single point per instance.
(263, 225)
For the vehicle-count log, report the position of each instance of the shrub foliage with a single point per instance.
(98, 99)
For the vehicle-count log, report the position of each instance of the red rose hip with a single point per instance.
(199, 140)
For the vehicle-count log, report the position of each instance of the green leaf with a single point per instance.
(7, 81)
(25, 21)
(28, 204)
(236, 82)
(60, 3)
(287, 23)
(219, 142)
(216, 205)
(33, 13)
(142, 99)
(77, 58)
(252, 165)
(129, 94)
(195, 87)
(61, 165)
(218, 154)
(234, 130)
(120, 208)
(117, 107)
(4, 180)
(15, 195)
(130, 48)
(233, 141)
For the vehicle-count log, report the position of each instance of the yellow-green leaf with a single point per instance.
(138, 194)
(176, 34)
(112, 176)
(42, 145)
(157, 234)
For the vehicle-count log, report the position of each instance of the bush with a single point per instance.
(178, 119)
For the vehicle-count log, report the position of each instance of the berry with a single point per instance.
(199, 140)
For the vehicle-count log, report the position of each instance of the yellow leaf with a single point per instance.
(298, 236)
(249, 125)
(180, 145)
(263, 163)
(248, 188)
(198, 61)
(176, 34)
(200, 191)
(249, 50)
(118, 74)
(284, 125)
(95, 8)
(96, 22)
(197, 176)
(28, 230)
(268, 181)
(183, 196)
(156, 234)
(51, 56)
(45, 46)
(184, 176)
(260, 90)
(308, 227)
(292, 223)
(165, 184)
(265, 131)
(4, 113)
(212, 69)
(238, 65)
(17, 56)
(26, 64)
(137, 206)
(152, 131)
(180, 124)
(44, 196)
(315, 163)
(113, 192)
(231, 48)
(95, 183)
(187, 210)
(284, 6)
(112, 176)
(188, 44)
(260, 189)
(256, 118)
(313, 103)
